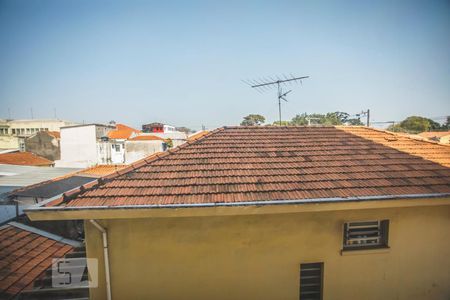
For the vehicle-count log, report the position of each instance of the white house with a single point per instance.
(117, 137)
(142, 146)
(86, 145)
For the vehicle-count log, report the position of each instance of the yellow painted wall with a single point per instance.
(258, 256)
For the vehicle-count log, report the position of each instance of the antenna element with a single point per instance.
(262, 85)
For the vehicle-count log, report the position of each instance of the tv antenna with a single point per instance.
(264, 84)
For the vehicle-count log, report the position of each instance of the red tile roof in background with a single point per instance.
(24, 159)
(100, 170)
(55, 134)
(146, 138)
(427, 150)
(122, 132)
(24, 257)
(235, 164)
(432, 134)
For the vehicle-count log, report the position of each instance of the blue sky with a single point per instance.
(182, 62)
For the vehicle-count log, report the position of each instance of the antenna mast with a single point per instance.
(265, 84)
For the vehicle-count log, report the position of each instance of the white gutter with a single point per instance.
(243, 203)
(106, 257)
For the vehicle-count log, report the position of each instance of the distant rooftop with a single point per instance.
(146, 138)
(18, 176)
(24, 159)
(122, 132)
(432, 134)
(90, 124)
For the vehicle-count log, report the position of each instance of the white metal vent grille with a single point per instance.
(368, 234)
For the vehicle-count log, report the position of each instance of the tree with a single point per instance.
(169, 143)
(283, 123)
(253, 120)
(183, 129)
(416, 124)
(332, 118)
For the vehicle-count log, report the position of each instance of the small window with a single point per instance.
(311, 281)
(117, 147)
(366, 235)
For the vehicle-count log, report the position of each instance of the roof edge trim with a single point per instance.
(244, 203)
(46, 234)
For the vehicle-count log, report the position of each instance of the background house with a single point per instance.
(166, 132)
(45, 144)
(117, 137)
(84, 146)
(14, 132)
(142, 146)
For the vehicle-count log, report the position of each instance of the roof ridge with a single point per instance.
(134, 166)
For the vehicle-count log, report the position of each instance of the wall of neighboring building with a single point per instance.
(9, 142)
(44, 144)
(78, 147)
(259, 256)
(136, 150)
(81, 146)
(118, 151)
(29, 127)
(178, 138)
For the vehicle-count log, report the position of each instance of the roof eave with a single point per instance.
(236, 208)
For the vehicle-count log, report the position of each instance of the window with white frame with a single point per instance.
(366, 234)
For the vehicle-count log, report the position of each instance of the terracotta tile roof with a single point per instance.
(146, 138)
(122, 132)
(432, 134)
(55, 134)
(24, 257)
(236, 164)
(100, 170)
(428, 150)
(24, 159)
(197, 135)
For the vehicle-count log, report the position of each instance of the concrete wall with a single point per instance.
(78, 147)
(136, 150)
(44, 145)
(9, 142)
(117, 151)
(258, 256)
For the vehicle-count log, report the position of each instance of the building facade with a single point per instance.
(84, 146)
(45, 144)
(14, 132)
(140, 147)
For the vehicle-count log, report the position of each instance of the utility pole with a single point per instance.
(367, 114)
(31, 111)
(263, 84)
